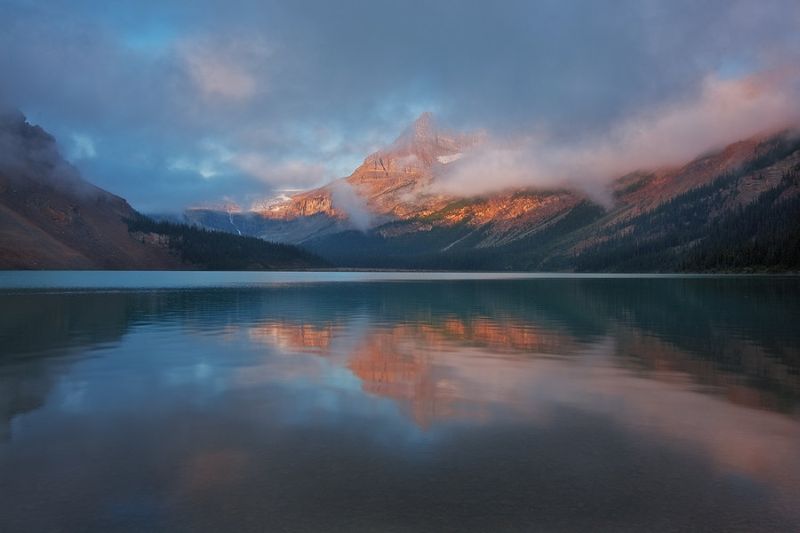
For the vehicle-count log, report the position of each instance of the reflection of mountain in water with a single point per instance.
(646, 404)
(418, 364)
(735, 336)
(39, 330)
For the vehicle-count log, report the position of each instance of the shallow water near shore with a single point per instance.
(346, 401)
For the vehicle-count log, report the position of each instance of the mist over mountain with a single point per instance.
(393, 212)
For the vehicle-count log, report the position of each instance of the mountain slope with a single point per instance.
(50, 218)
(752, 204)
(216, 250)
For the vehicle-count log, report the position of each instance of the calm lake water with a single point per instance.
(398, 402)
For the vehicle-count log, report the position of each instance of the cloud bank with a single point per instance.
(183, 102)
(724, 111)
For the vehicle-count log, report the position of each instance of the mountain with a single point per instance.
(391, 184)
(737, 208)
(50, 218)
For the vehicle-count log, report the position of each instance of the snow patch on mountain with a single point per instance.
(446, 159)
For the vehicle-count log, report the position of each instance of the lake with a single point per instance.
(191, 401)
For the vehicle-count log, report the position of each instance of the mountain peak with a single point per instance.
(425, 124)
(427, 141)
(422, 130)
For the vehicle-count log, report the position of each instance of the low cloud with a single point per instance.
(345, 198)
(724, 111)
(82, 147)
(28, 153)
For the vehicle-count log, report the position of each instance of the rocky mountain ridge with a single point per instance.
(413, 226)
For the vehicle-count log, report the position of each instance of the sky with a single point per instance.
(179, 103)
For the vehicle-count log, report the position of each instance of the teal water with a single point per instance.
(189, 401)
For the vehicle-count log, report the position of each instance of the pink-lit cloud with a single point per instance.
(723, 111)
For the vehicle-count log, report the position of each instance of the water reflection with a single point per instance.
(511, 404)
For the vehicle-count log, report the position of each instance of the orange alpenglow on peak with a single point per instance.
(391, 183)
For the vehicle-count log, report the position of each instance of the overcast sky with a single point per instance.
(171, 104)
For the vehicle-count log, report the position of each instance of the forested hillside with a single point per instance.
(216, 250)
